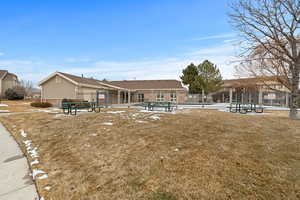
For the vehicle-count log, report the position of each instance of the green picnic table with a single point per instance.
(245, 108)
(72, 107)
(168, 106)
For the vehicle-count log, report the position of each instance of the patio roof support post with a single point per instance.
(119, 96)
(260, 95)
(129, 97)
(250, 97)
(230, 95)
(287, 103)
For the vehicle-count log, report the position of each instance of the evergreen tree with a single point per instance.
(205, 77)
(189, 76)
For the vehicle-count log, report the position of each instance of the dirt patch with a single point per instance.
(201, 154)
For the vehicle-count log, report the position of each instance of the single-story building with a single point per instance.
(59, 86)
(265, 91)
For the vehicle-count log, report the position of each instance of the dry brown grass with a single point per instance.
(17, 106)
(195, 155)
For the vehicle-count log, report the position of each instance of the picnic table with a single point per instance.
(72, 107)
(168, 106)
(245, 108)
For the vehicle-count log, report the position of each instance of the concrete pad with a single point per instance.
(15, 182)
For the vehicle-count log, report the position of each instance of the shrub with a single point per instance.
(16, 93)
(41, 104)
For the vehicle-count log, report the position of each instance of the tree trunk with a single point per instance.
(294, 95)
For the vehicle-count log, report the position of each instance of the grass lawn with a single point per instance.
(16, 106)
(198, 154)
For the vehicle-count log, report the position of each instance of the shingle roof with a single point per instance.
(131, 84)
(246, 81)
(2, 73)
(148, 84)
(82, 80)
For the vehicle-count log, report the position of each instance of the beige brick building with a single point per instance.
(60, 86)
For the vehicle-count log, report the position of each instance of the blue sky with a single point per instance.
(114, 39)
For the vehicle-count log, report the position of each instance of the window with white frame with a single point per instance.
(173, 96)
(160, 96)
(141, 97)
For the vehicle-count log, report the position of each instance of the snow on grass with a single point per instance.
(4, 111)
(155, 117)
(27, 143)
(62, 115)
(4, 105)
(47, 188)
(116, 112)
(37, 172)
(23, 133)
(35, 162)
(43, 176)
(33, 153)
(108, 123)
(141, 121)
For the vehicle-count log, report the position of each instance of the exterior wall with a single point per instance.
(9, 81)
(54, 90)
(87, 94)
(150, 95)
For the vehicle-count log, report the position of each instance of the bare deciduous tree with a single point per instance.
(271, 44)
(28, 87)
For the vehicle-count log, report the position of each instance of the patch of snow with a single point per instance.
(27, 142)
(115, 112)
(35, 162)
(4, 111)
(36, 172)
(33, 153)
(141, 121)
(176, 149)
(49, 111)
(42, 198)
(62, 115)
(28, 148)
(149, 111)
(23, 133)
(107, 123)
(154, 117)
(43, 176)
(47, 188)
(93, 134)
(4, 105)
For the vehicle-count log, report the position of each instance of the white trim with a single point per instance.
(116, 87)
(4, 75)
(54, 74)
(163, 89)
(92, 86)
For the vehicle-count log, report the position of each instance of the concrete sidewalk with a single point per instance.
(15, 182)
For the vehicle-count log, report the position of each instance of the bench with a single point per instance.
(73, 106)
(168, 106)
(243, 108)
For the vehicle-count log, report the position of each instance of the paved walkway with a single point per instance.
(15, 182)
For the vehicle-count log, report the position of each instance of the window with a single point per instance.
(160, 96)
(58, 79)
(141, 97)
(173, 96)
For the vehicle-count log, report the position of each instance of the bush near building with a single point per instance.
(41, 104)
(16, 93)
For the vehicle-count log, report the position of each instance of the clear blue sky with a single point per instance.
(113, 39)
